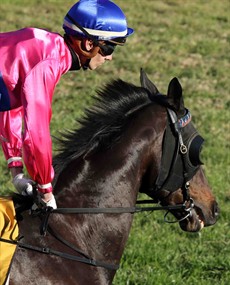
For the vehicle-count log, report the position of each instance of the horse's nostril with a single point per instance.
(216, 209)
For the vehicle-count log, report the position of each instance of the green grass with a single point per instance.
(186, 39)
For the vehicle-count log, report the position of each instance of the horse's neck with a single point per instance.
(106, 179)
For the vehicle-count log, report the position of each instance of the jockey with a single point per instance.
(32, 63)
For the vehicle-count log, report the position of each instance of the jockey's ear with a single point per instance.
(84, 48)
(88, 45)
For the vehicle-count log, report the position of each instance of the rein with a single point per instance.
(47, 211)
(118, 210)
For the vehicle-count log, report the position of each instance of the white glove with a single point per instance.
(23, 185)
(52, 203)
(41, 203)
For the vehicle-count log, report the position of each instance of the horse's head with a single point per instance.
(181, 179)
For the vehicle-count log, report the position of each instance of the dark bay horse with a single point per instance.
(117, 152)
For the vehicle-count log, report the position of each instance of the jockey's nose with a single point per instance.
(109, 57)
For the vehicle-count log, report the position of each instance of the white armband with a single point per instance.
(13, 159)
(45, 186)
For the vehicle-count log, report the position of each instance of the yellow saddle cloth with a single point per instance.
(8, 230)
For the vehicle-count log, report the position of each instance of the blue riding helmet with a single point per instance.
(102, 19)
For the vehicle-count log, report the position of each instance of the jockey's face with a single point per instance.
(89, 52)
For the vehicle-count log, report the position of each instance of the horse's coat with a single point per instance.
(115, 154)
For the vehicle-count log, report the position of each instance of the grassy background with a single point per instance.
(186, 39)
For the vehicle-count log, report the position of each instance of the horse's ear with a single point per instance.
(175, 97)
(146, 83)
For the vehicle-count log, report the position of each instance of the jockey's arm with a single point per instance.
(37, 95)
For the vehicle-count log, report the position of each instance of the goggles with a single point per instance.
(106, 49)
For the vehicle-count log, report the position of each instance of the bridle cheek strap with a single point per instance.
(174, 171)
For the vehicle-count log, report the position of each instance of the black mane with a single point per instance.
(102, 124)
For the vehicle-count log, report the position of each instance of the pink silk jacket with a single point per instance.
(31, 64)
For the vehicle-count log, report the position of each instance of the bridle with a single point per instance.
(165, 177)
(161, 183)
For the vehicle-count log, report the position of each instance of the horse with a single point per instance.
(132, 140)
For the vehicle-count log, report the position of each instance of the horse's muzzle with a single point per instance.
(199, 218)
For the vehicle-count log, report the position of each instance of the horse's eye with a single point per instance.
(195, 148)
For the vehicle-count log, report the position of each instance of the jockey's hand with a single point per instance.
(49, 200)
(23, 184)
(42, 202)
